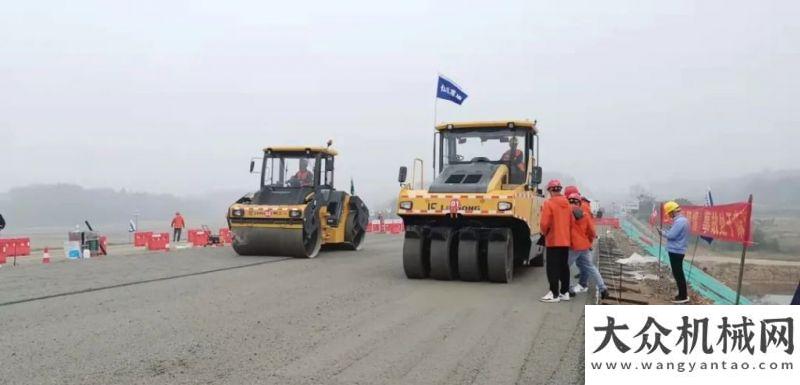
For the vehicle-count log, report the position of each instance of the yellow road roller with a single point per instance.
(479, 217)
(296, 211)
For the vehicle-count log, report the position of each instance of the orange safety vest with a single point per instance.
(304, 176)
(555, 221)
(178, 222)
(582, 233)
(519, 158)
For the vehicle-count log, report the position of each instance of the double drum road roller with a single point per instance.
(296, 210)
(480, 216)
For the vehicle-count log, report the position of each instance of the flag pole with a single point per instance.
(435, 107)
(660, 236)
(744, 247)
(694, 253)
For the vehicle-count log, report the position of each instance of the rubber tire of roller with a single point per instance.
(416, 262)
(318, 245)
(469, 263)
(500, 256)
(357, 240)
(444, 263)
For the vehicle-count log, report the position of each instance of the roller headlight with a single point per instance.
(237, 212)
(406, 205)
(295, 213)
(504, 206)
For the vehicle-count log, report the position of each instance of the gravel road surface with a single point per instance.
(208, 316)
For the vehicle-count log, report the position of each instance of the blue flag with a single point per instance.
(448, 90)
(709, 202)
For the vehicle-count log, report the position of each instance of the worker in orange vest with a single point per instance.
(516, 159)
(582, 234)
(585, 204)
(303, 177)
(177, 227)
(555, 226)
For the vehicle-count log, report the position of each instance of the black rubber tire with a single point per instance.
(444, 261)
(416, 260)
(356, 233)
(469, 256)
(312, 231)
(500, 256)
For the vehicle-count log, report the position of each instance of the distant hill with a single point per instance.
(67, 205)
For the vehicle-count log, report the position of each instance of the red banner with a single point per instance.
(606, 221)
(729, 222)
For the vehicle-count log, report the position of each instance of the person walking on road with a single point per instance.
(177, 227)
(555, 226)
(582, 234)
(677, 241)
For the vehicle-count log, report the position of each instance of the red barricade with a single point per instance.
(158, 241)
(374, 226)
(2, 252)
(198, 238)
(140, 238)
(225, 236)
(23, 247)
(605, 221)
(16, 247)
(395, 227)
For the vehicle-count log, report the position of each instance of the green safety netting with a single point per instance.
(702, 283)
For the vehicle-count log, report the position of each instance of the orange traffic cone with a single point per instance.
(46, 256)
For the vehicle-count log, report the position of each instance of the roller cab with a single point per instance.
(479, 217)
(296, 211)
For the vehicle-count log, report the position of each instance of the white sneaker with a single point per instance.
(549, 298)
(564, 297)
(579, 288)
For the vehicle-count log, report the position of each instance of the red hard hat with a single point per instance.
(574, 195)
(553, 183)
(569, 190)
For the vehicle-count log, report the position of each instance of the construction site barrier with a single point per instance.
(225, 236)
(374, 226)
(140, 238)
(605, 221)
(702, 283)
(16, 247)
(395, 226)
(198, 238)
(2, 253)
(158, 241)
(391, 226)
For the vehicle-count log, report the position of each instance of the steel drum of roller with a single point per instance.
(276, 242)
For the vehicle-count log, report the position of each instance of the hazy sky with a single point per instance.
(177, 96)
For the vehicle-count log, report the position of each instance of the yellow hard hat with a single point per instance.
(671, 206)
